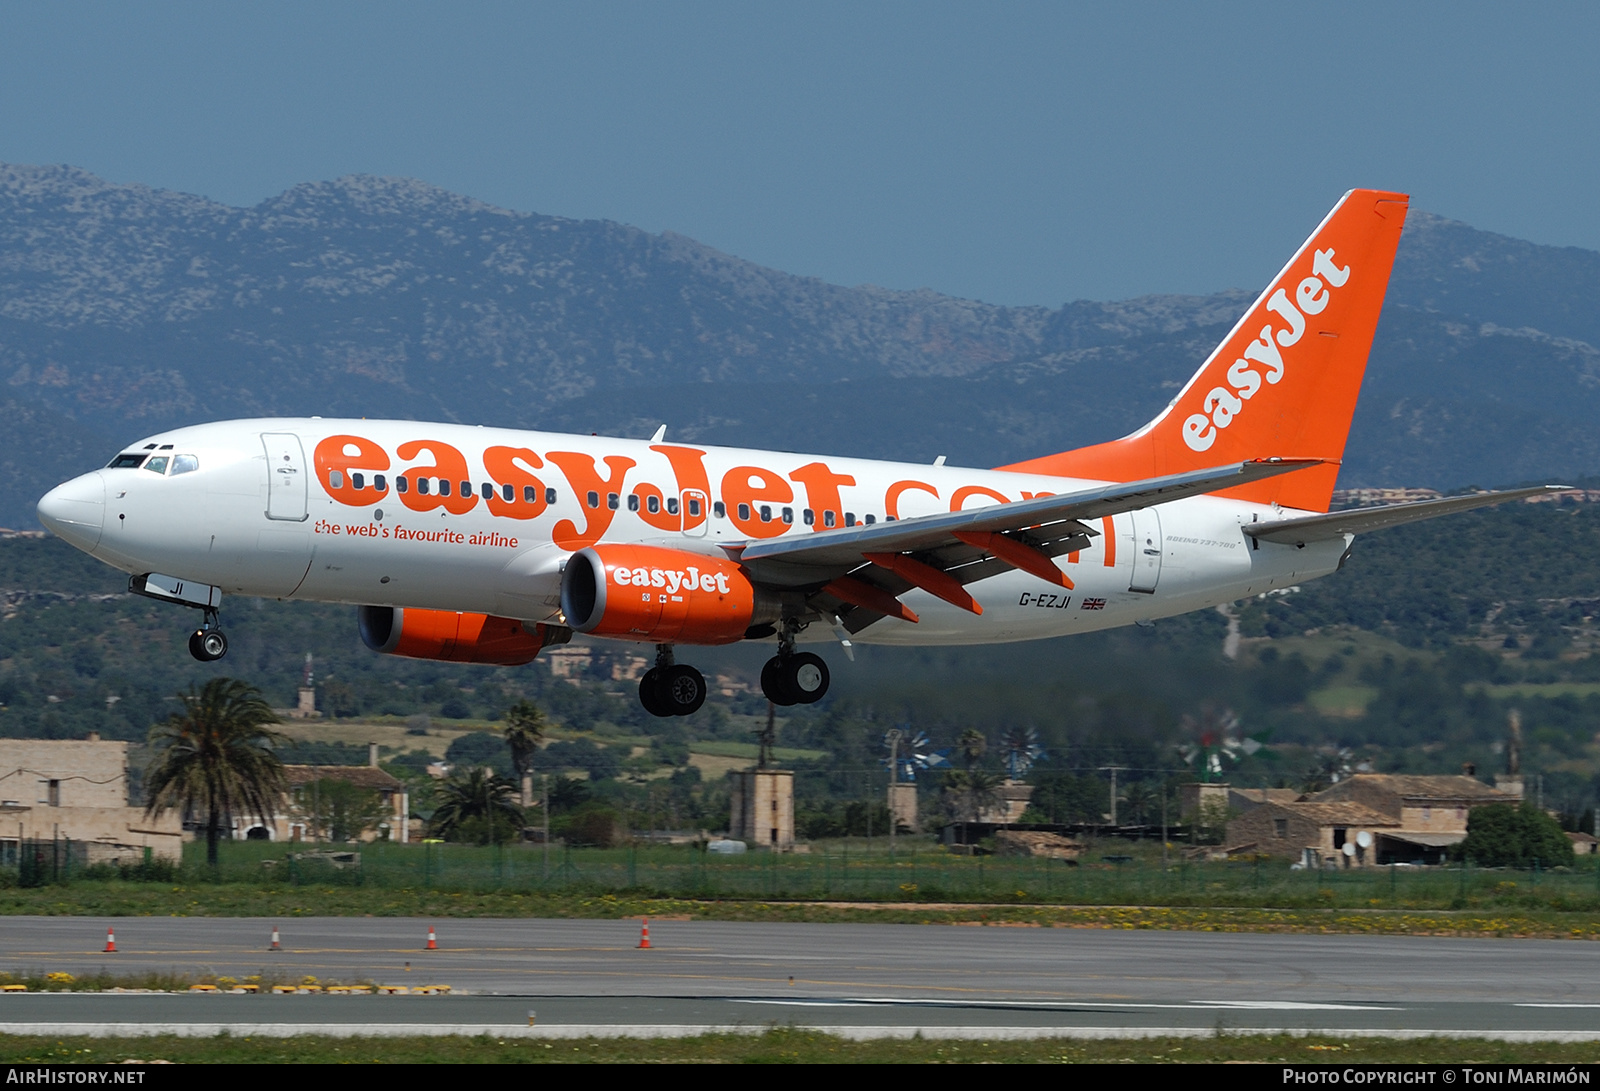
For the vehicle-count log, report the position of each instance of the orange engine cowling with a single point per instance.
(660, 595)
(448, 635)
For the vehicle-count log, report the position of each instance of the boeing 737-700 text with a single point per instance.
(484, 545)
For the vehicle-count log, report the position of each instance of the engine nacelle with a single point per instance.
(447, 635)
(660, 595)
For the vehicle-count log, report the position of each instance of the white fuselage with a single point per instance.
(263, 515)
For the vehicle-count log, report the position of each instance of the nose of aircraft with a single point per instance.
(76, 510)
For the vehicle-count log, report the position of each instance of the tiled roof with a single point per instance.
(1432, 789)
(1339, 814)
(362, 776)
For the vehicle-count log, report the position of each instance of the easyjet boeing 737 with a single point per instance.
(484, 545)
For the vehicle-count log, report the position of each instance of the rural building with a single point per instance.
(1409, 819)
(297, 814)
(77, 790)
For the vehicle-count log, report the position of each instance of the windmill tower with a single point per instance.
(306, 707)
(908, 751)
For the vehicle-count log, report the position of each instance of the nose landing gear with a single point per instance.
(670, 688)
(208, 643)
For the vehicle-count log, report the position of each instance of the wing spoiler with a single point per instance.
(1336, 524)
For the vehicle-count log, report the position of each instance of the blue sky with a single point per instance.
(1016, 153)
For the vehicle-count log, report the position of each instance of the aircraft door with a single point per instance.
(693, 503)
(286, 477)
(1146, 551)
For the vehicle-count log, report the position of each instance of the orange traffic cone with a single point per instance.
(644, 935)
(111, 941)
(276, 946)
(433, 944)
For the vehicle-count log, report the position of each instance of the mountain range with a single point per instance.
(125, 309)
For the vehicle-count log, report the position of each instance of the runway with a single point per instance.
(589, 977)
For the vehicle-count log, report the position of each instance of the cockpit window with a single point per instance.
(129, 461)
(184, 464)
(157, 465)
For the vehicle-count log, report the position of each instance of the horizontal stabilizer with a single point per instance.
(1336, 524)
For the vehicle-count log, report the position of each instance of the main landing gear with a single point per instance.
(670, 688)
(208, 643)
(793, 678)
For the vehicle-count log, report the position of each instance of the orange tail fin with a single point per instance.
(1284, 382)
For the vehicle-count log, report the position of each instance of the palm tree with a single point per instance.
(215, 757)
(525, 726)
(479, 802)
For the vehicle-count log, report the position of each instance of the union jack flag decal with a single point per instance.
(1093, 604)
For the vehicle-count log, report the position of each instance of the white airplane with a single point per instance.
(484, 545)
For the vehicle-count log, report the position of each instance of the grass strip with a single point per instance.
(786, 1045)
(120, 899)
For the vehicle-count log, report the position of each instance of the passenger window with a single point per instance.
(871, 519)
(466, 488)
(402, 484)
(378, 483)
(422, 486)
(126, 462)
(549, 496)
(594, 499)
(157, 465)
(508, 493)
(358, 481)
(849, 518)
(719, 509)
(335, 479)
(808, 516)
(694, 506)
(672, 505)
(184, 464)
(488, 491)
(633, 503)
(444, 487)
(744, 513)
(766, 513)
(530, 495)
(612, 500)
(828, 519)
(788, 515)
(654, 503)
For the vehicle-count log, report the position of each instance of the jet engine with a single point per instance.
(446, 634)
(660, 595)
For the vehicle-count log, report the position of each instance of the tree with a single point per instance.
(343, 810)
(216, 757)
(476, 807)
(1502, 835)
(525, 726)
(968, 791)
(524, 729)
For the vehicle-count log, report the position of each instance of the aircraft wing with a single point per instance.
(1336, 524)
(857, 573)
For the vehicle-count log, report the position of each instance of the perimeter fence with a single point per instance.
(840, 871)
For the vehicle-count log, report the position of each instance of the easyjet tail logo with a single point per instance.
(1262, 360)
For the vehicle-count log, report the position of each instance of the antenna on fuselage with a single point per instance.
(661, 434)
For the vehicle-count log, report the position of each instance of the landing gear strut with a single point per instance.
(793, 678)
(208, 643)
(670, 688)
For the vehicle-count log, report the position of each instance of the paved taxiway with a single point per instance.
(590, 976)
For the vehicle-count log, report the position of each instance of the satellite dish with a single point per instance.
(1349, 848)
(1364, 839)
